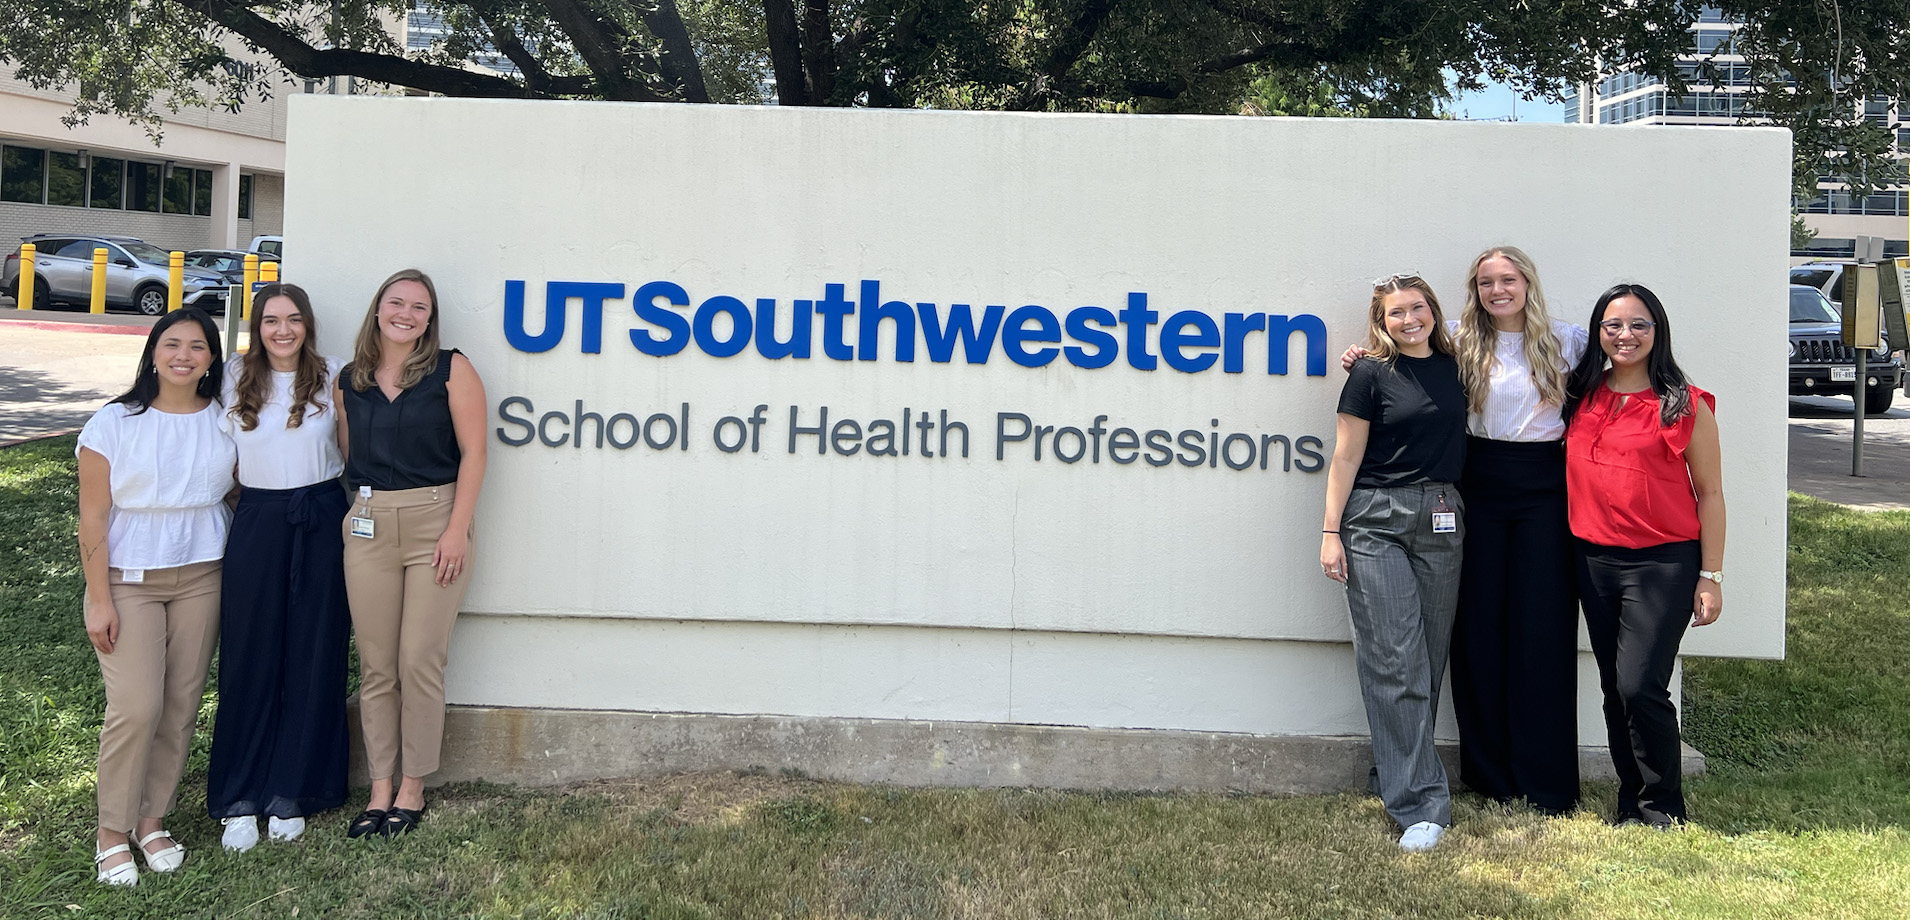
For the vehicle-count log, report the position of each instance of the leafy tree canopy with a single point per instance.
(1813, 61)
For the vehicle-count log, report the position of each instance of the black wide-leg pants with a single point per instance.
(1515, 644)
(279, 744)
(1637, 607)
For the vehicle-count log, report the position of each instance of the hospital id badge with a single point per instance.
(1443, 518)
(361, 527)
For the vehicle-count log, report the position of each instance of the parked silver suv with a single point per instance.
(136, 274)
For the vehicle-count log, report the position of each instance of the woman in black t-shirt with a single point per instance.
(1392, 536)
(413, 440)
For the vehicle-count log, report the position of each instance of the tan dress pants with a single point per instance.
(155, 679)
(402, 622)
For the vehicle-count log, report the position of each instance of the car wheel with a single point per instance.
(42, 295)
(1877, 399)
(150, 300)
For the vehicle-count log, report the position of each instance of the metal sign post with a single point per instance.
(1861, 322)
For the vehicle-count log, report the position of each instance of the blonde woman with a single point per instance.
(1393, 534)
(413, 441)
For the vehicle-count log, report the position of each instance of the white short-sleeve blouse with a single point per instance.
(1513, 409)
(272, 456)
(170, 476)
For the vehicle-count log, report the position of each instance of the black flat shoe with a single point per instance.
(370, 821)
(401, 821)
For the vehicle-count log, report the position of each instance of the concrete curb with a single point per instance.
(547, 747)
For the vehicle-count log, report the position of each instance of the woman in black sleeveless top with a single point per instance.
(414, 460)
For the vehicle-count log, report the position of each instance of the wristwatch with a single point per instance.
(1716, 577)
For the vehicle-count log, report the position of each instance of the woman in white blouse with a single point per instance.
(154, 472)
(1515, 641)
(279, 746)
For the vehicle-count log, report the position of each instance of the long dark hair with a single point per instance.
(1667, 379)
(146, 385)
(253, 388)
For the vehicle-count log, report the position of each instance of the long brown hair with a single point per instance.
(370, 348)
(1478, 339)
(254, 386)
(1379, 344)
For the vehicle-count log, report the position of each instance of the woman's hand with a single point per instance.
(1351, 356)
(102, 626)
(1332, 557)
(448, 556)
(1707, 602)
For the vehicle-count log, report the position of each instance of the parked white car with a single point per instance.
(269, 248)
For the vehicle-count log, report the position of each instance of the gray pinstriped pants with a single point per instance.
(1402, 587)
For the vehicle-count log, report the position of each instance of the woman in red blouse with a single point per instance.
(1646, 500)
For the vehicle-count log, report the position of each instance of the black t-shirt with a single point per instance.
(1417, 408)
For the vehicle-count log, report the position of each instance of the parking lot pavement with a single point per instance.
(1821, 452)
(52, 379)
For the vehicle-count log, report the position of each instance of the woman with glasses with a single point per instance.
(1515, 643)
(1647, 506)
(1392, 535)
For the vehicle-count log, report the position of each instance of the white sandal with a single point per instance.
(125, 874)
(165, 860)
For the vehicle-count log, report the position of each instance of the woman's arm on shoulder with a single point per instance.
(1705, 458)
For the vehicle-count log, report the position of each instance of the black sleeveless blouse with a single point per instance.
(403, 443)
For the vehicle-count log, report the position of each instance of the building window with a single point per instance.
(65, 180)
(108, 183)
(202, 192)
(245, 197)
(142, 186)
(22, 174)
(178, 194)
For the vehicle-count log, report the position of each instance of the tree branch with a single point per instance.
(785, 51)
(678, 62)
(312, 63)
(536, 78)
(1073, 43)
(818, 45)
(600, 42)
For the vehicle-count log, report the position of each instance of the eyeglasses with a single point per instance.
(1613, 327)
(1390, 279)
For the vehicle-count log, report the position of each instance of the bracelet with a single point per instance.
(1333, 532)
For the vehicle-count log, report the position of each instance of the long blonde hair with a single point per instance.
(252, 390)
(370, 349)
(1477, 339)
(1379, 344)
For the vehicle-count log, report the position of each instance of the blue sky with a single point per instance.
(1497, 101)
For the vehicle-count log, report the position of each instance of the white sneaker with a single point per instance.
(284, 829)
(241, 833)
(1421, 836)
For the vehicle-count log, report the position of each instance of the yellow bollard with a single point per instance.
(251, 278)
(175, 280)
(23, 288)
(268, 272)
(99, 279)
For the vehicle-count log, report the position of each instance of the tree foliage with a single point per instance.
(1814, 60)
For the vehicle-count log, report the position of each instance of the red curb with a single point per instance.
(75, 327)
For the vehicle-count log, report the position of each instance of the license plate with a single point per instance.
(1843, 375)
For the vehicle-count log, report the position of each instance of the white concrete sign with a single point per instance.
(982, 417)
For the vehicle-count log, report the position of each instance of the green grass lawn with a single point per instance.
(1805, 812)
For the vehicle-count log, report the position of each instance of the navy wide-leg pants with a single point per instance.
(279, 745)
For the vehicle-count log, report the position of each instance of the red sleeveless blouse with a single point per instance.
(1626, 482)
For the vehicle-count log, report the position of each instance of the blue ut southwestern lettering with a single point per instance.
(1189, 341)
